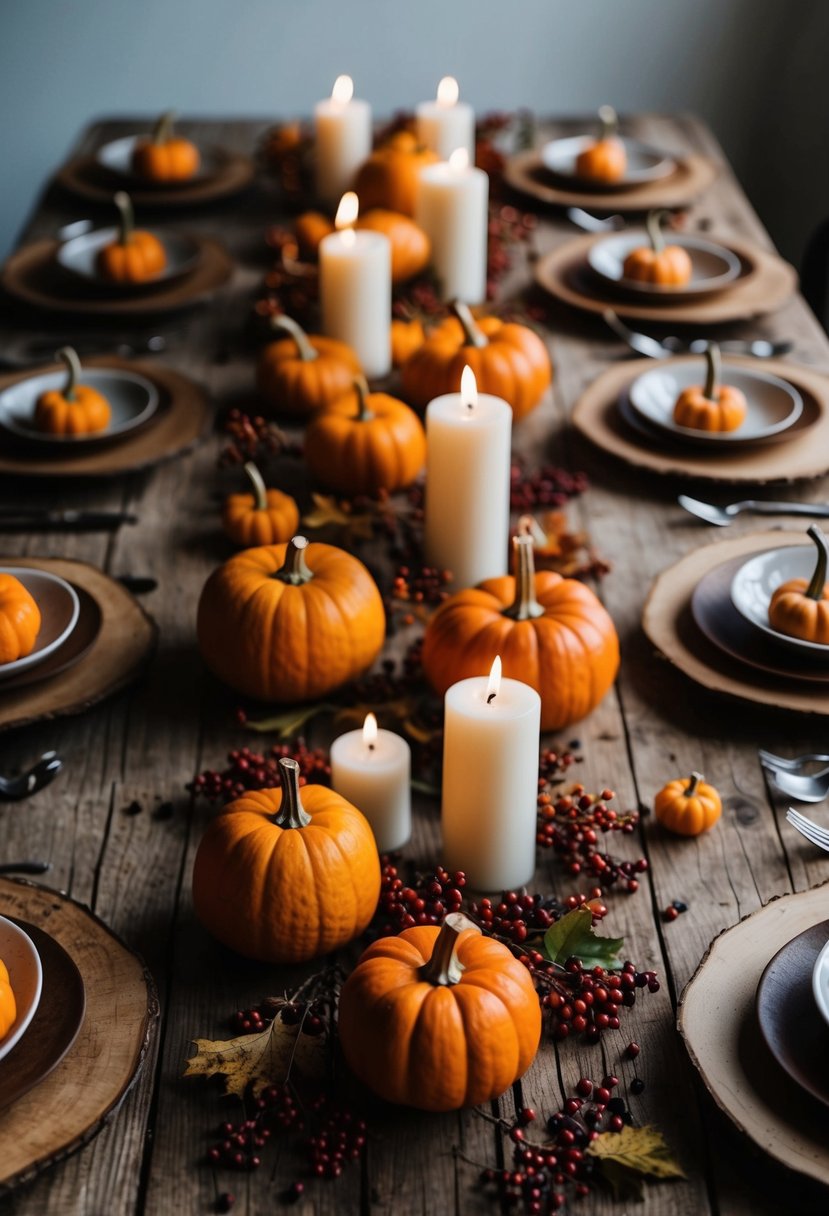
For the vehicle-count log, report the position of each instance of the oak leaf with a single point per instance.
(252, 1062)
(634, 1151)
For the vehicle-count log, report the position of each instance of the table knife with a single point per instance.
(16, 518)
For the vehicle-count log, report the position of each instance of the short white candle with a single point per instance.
(452, 209)
(342, 126)
(490, 780)
(466, 526)
(372, 769)
(355, 289)
(446, 123)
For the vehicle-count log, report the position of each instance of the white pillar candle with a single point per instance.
(372, 769)
(466, 525)
(355, 289)
(342, 126)
(452, 209)
(492, 729)
(446, 124)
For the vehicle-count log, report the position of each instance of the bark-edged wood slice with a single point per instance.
(86, 177)
(526, 174)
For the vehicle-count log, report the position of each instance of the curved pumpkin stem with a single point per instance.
(294, 569)
(163, 128)
(291, 813)
(288, 325)
(363, 412)
(260, 492)
(691, 790)
(711, 391)
(126, 216)
(525, 607)
(610, 122)
(473, 336)
(818, 581)
(654, 227)
(444, 968)
(69, 356)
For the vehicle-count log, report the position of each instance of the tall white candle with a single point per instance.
(452, 209)
(372, 769)
(466, 526)
(490, 780)
(355, 289)
(342, 126)
(446, 123)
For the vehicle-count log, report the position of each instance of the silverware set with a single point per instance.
(664, 348)
(798, 778)
(723, 516)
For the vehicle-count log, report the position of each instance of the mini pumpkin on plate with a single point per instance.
(165, 157)
(606, 159)
(389, 178)
(713, 406)
(76, 409)
(136, 255)
(658, 263)
(19, 619)
(265, 517)
(688, 806)
(301, 373)
(800, 609)
(410, 249)
(8, 1005)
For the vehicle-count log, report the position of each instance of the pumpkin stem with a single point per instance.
(713, 375)
(126, 216)
(525, 607)
(818, 581)
(363, 412)
(692, 784)
(291, 813)
(288, 325)
(69, 357)
(260, 493)
(163, 129)
(294, 569)
(444, 968)
(473, 336)
(654, 227)
(610, 122)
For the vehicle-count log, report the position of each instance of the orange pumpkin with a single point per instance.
(19, 619)
(310, 228)
(406, 338)
(714, 406)
(551, 632)
(439, 1019)
(389, 178)
(265, 517)
(509, 361)
(302, 373)
(283, 877)
(606, 159)
(8, 1005)
(664, 265)
(165, 157)
(410, 249)
(76, 409)
(135, 256)
(800, 609)
(366, 442)
(290, 622)
(688, 806)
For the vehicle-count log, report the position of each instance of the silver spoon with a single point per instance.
(813, 788)
(37, 778)
(723, 516)
(645, 345)
(591, 223)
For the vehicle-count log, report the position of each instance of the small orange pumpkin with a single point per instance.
(8, 1005)
(366, 442)
(551, 632)
(605, 160)
(687, 806)
(290, 622)
(714, 406)
(406, 338)
(310, 228)
(439, 1019)
(282, 877)
(76, 409)
(509, 361)
(302, 373)
(664, 265)
(265, 517)
(135, 256)
(800, 609)
(19, 619)
(165, 157)
(389, 178)
(410, 248)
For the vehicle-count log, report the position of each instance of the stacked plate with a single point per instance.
(77, 259)
(644, 163)
(714, 267)
(22, 961)
(70, 621)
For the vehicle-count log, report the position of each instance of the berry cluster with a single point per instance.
(572, 826)
(548, 486)
(585, 1001)
(249, 770)
(312, 1016)
(519, 917)
(252, 437)
(426, 901)
(340, 1138)
(418, 586)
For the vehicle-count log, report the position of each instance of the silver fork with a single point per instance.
(808, 828)
(792, 764)
(644, 344)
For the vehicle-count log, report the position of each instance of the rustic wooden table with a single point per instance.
(99, 823)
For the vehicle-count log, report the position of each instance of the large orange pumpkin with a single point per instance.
(290, 622)
(135, 256)
(282, 876)
(389, 178)
(509, 361)
(551, 632)
(713, 406)
(664, 265)
(801, 609)
(605, 160)
(410, 248)
(265, 517)
(19, 619)
(8, 1005)
(76, 409)
(165, 157)
(302, 373)
(439, 1018)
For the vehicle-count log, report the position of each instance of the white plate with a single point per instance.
(774, 405)
(644, 163)
(713, 266)
(117, 157)
(760, 576)
(78, 257)
(820, 982)
(132, 399)
(59, 609)
(17, 950)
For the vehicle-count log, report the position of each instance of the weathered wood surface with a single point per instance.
(143, 747)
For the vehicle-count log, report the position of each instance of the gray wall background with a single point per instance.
(755, 69)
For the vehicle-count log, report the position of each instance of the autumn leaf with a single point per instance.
(328, 512)
(290, 723)
(627, 1155)
(572, 937)
(256, 1060)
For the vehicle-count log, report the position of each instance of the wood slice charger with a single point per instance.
(87, 177)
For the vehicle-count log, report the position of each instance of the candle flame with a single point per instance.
(370, 731)
(448, 91)
(343, 90)
(346, 216)
(469, 388)
(459, 160)
(494, 685)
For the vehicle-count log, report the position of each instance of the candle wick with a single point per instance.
(491, 698)
(371, 747)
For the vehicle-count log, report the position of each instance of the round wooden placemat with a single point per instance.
(84, 176)
(564, 273)
(717, 1020)
(125, 642)
(180, 421)
(597, 416)
(669, 625)
(527, 174)
(32, 276)
(71, 1105)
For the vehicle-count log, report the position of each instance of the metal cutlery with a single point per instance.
(25, 867)
(74, 228)
(793, 764)
(723, 516)
(592, 223)
(813, 787)
(37, 778)
(808, 828)
(651, 348)
(13, 519)
(25, 351)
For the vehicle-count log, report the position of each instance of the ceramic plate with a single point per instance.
(133, 400)
(760, 576)
(644, 163)
(820, 982)
(774, 405)
(77, 257)
(17, 950)
(713, 266)
(59, 608)
(117, 157)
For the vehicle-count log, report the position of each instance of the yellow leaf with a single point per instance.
(640, 1149)
(256, 1060)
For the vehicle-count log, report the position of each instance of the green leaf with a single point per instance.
(634, 1150)
(572, 937)
(291, 722)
